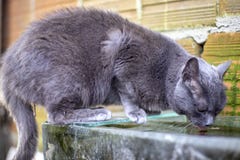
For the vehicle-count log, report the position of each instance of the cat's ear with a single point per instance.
(191, 70)
(222, 68)
(190, 77)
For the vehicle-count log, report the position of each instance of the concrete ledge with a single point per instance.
(160, 138)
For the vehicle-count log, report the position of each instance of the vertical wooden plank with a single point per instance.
(18, 16)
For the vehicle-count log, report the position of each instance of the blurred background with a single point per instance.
(206, 28)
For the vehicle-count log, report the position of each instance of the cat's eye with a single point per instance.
(202, 108)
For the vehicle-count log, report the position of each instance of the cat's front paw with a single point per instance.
(139, 116)
(103, 114)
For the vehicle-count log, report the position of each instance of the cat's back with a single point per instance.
(66, 37)
(65, 47)
(75, 21)
(74, 29)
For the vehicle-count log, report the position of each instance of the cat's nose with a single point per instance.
(209, 121)
(209, 124)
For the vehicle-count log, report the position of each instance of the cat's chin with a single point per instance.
(202, 128)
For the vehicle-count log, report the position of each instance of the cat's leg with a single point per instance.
(70, 109)
(153, 110)
(128, 99)
(132, 110)
(79, 115)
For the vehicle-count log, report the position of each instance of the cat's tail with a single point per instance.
(26, 125)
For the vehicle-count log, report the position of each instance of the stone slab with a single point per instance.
(169, 137)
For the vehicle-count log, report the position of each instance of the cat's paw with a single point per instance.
(102, 114)
(139, 116)
(80, 115)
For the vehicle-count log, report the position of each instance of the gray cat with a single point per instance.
(75, 59)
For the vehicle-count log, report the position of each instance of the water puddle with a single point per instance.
(169, 122)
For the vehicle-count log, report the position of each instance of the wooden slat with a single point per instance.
(44, 7)
(46, 4)
(131, 15)
(153, 2)
(229, 7)
(191, 46)
(178, 6)
(115, 5)
(174, 14)
(126, 8)
(222, 46)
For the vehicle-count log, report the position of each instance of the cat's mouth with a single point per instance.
(202, 128)
(198, 125)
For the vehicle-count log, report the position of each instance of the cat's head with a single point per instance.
(200, 93)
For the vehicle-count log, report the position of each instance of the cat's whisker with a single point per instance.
(185, 127)
(188, 125)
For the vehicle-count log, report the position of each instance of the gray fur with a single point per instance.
(77, 58)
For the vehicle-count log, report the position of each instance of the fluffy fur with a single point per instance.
(75, 59)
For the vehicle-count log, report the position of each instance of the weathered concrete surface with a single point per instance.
(228, 24)
(199, 35)
(161, 138)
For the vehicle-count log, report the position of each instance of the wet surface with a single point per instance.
(172, 123)
(224, 126)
